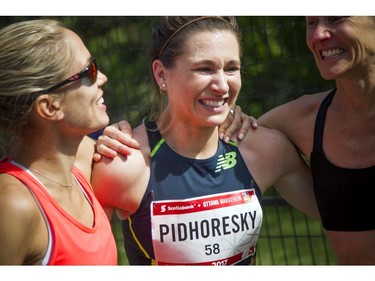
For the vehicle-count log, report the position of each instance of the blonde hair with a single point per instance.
(33, 57)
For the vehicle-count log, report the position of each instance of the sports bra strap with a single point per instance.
(319, 123)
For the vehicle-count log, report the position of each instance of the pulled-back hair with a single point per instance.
(33, 57)
(168, 40)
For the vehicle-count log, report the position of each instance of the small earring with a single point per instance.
(162, 89)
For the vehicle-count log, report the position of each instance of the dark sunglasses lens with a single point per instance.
(93, 72)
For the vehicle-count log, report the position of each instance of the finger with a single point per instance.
(110, 147)
(125, 127)
(224, 126)
(234, 125)
(248, 122)
(121, 132)
(237, 113)
(96, 157)
(245, 126)
(105, 146)
(254, 122)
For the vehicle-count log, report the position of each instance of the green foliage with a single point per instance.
(276, 65)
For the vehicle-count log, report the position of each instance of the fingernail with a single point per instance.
(241, 136)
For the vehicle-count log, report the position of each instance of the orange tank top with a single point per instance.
(70, 242)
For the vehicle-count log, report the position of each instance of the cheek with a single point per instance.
(235, 86)
(79, 106)
(234, 91)
(309, 39)
(239, 84)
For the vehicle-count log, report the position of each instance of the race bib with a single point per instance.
(220, 229)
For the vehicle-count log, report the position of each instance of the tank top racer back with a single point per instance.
(344, 196)
(194, 211)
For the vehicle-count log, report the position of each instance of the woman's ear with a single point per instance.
(49, 107)
(158, 72)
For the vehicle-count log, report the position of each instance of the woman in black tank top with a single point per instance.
(338, 129)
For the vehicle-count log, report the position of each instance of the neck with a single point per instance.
(355, 99)
(53, 159)
(190, 141)
(59, 182)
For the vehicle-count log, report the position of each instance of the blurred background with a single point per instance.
(276, 67)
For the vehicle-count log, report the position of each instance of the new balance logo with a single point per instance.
(226, 161)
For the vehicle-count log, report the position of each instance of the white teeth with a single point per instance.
(100, 101)
(332, 52)
(213, 103)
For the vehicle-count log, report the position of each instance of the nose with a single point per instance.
(102, 78)
(219, 84)
(321, 32)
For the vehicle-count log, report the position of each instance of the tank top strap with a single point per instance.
(153, 132)
(319, 122)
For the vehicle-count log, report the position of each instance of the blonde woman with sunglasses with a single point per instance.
(51, 97)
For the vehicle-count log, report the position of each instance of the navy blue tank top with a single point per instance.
(194, 211)
(345, 197)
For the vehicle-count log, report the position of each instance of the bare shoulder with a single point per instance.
(282, 115)
(296, 119)
(15, 200)
(309, 102)
(21, 223)
(263, 145)
(267, 139)
(267, 153)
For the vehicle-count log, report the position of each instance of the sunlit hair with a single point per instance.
(169, 38)
(33, 57)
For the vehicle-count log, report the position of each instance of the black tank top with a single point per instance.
(194, 211)
(345, 197)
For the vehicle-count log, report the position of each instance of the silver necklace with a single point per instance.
(44, 176)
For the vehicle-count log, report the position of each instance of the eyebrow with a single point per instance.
(210, 62)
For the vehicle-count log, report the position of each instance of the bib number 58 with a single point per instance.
(212, 249)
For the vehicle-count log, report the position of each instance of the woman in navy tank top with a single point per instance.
(186, 197)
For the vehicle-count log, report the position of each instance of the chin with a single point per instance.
(216, 121)
(327, 76)
(102, 124)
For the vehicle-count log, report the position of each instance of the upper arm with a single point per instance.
(279, 117)
(295, 183)
(119, 182)
(296, 120)
(110, 182)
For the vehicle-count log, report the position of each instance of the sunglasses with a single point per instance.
(90, 71)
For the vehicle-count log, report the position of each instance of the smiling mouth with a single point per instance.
(331, 53)
(100, 102)
(212, 104)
